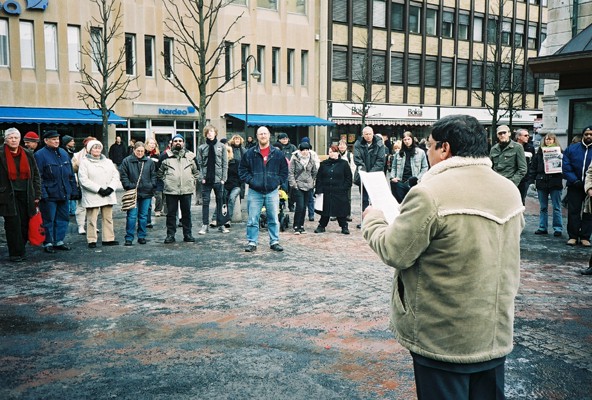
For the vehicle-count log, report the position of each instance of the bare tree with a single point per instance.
(105, 82)
(503, 94)
(192, 24)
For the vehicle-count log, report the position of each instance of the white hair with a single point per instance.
(12, 131)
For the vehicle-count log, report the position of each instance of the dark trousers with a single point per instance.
(173, 203)
(437, 384)
(523, 188)
(206, 192)
(579, 225)
(301, 197)
(342, 221)
(17, 226)
(400, 190)
(365, 198)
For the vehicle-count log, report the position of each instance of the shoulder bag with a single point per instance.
(130, 197)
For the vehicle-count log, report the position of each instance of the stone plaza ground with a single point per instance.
(206, 320)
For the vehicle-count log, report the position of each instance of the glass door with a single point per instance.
(163, 138)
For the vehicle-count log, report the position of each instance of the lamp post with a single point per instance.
(255, 74)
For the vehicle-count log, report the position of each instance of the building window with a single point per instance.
(530, 83)
(27, 45)
(95, 44)
(476, 75)
(275, 65)
(360, 12)
(339, 65)
(4, 53)
(149, 55)
(414, 21)
(477, 29)
(431, 21)
(239, 2)
(261, 62)
(519, 34)
(168, 56)
(269, 4)
(431, 75)
(130, 54)
(290, 67)
(507, 33)
(413, 71)
(491, 30)
(227, 60)
(543, 34)
(446, 73)
(397, 11)
(304, 68)
(378, 68)
(73, 47)
(532, 36)
(517, 83)
(448, 24)
(462, 74)
(379, 13)
(245, 51)
(50, 31)
(359, 70)
(340, 11)
(297, 7)
(397, 69)
(463, 27)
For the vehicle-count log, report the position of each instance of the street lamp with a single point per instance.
(255, 74)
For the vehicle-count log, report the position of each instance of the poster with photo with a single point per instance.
(552, 160)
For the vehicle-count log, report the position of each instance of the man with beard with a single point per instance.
(508, 156)
(178, 171)
(576, 160)
(264, 168)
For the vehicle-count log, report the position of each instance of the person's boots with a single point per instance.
(587, 271)
(344, 230)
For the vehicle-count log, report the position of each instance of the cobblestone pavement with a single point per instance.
(205, 320)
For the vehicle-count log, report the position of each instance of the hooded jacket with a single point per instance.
(456, 255)
(300, 176)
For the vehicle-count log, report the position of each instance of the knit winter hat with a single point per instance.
(66, 139)
(93, 143)
(31, 137)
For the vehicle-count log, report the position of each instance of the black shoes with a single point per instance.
(149, 226)
(359, 226)
(169, 239)
(17, 258)
(557, 234)
(62, 247)
(189, 238)
(129, 242)
(250, 248)
(49, 249)
(142, 241)
(540, 232)
(111, 243)
(276, 247)
(92, 245)
(319, 229)
(587, 271)
(344, 230)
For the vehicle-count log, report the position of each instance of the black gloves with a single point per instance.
(412, 181)
(578, 185)
(105, 192)
(109, 191)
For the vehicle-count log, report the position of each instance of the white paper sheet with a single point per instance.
(379, 191)
(318, 202)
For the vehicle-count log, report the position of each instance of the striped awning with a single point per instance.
(383, 121)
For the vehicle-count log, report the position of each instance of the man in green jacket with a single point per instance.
(508, 156)
(456, 254)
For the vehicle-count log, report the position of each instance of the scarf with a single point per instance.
(24, 169)
(211, 165)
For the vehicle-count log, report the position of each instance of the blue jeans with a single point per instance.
(72, 206)
(206, 191)
(256, 201)
(544, 214)
(55, 220)
(234, 193)
(139, 216)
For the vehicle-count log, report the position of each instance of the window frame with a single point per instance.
(418, 27)
(130, 54)
(168, 52)
(4, 43)
(290, 65)
(74, 48)
(51, 46)
(304, 68)
(275, 65)
(149, 55)
(27, 44)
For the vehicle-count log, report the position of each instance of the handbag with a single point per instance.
(129, 200)
(36, 230)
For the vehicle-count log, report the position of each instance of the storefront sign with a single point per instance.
(176, 111)
(14, 7)
(168, 110)
(414, 112)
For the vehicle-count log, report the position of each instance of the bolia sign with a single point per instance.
(13, 7)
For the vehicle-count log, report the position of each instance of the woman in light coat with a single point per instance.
(98, 178)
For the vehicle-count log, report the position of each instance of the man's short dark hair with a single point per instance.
(465, 135)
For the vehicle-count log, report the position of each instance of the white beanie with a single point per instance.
(93, 143)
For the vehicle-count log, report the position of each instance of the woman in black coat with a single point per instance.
(334, 181)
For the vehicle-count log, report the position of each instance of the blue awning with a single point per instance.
(32, 115)
(282, 120)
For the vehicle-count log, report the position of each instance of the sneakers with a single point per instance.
(572, 242)
(540, 232)
(296, 231)
(276, 247)
(302, 231)
(223, 229)
(129, 242)
(169, 239)
(157, 214)
(227, 225)
(250, 248)
(203, 230)
(320, 229)
(585, 243)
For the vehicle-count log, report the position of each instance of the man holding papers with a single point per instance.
(456, 253)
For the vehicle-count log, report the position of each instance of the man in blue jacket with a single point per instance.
(576, 160)
(58, 185)
(263, 168)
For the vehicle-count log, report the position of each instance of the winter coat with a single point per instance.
(57, 175)
(334, 181)
(456, 255)
(542, 180)
(221, 164)
(299, 176)
(288, 150)
(233, 179)
(7, 199)
(94, 174)
(419, 164)
(178, 172)
(510, 161)
(368, 157)
(261, 177)
(575, 163)
(117, 152)
(130, 172)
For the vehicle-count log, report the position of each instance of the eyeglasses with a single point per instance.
(502, 132)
